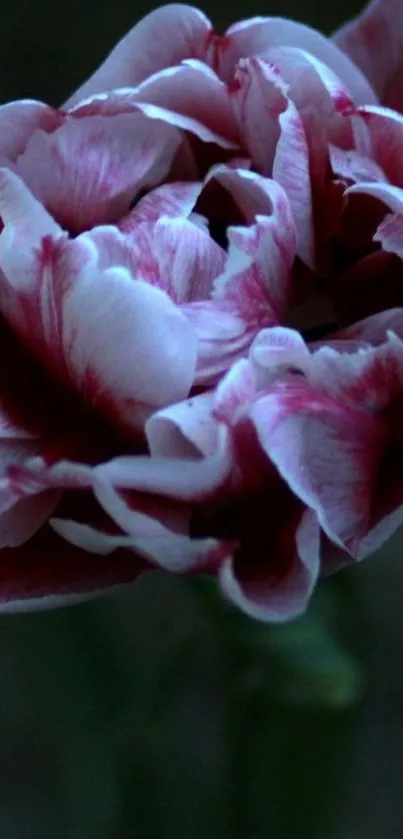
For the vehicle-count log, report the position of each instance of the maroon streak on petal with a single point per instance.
(327, 451)
(274, 137)
(52, 297)
(276, 567)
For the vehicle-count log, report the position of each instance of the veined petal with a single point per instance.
(69, 310)
(125, 100)
(172, 254)
(172, 200)
(89, 170)
(223, 336)
(257, 276)
(370, 377)
(327, 451)
(274, 136)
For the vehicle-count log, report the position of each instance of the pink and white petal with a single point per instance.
(375, 328)
(374, 41)
(390, 195)
(235, 393)
(256, 281)
(291, 171)
(253, 194)
(353, 166)
(186, 123)
(257, 35)
(172, 254)
(274, 137)
(172, 200)
(89, 170)
(258, 97)
(152, 367)
(223, 336)
(19, 120)
(19, 210)
(188, 260)
(127, 100)
(186, 429)
(390, 234)
(327, 451)
(163, 38)
(68, 311)
(178, 478)
(278, 350)
(371, 377)
(194, 90)
(147, 537)
(262, 593)
(379, 135)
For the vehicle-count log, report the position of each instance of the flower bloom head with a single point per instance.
(201, 312)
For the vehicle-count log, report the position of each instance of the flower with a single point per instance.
(201, 312)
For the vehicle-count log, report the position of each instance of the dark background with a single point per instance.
(48, 48)
(155, 713)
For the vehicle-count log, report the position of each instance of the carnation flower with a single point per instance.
(202, 312)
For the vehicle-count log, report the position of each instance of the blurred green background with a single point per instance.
(159, 712)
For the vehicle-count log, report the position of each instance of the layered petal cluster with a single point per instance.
(201, 312)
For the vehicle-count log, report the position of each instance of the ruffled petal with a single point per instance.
(47, 572)
(327, 450)
(90, 170)
(257, 276)
(276, 584)
(274, 137)
(69, 310)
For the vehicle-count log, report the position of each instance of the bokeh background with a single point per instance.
(159, 713)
